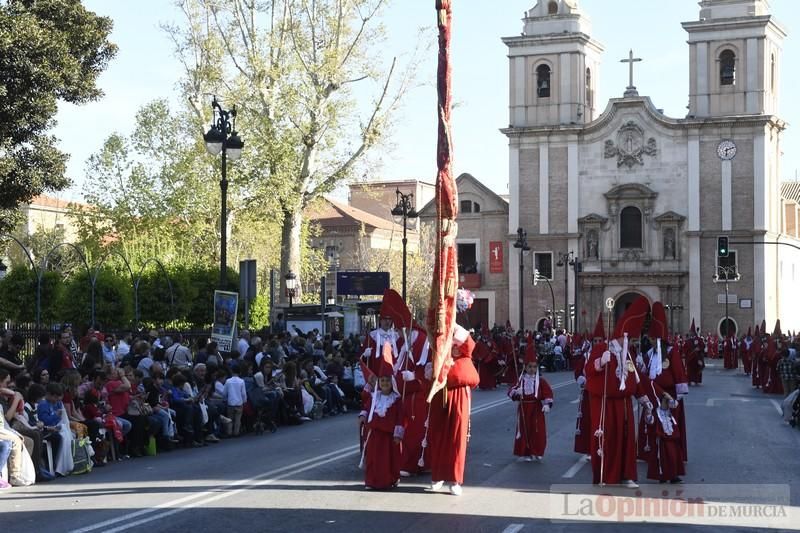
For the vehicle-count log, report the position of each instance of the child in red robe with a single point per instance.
(665, 463)
(535, 399)
(383, 420)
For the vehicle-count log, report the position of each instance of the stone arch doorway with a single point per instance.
(623, 302)
(732, 326)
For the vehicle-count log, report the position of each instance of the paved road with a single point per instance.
(306, 478)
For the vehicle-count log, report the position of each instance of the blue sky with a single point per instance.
(146, 69)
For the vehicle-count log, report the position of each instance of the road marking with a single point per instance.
(574, 469)
(513, 528)
(244, 484)
(712, 402)
(778, 407)
(284, 471)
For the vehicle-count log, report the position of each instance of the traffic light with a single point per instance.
(535, 277)
(572, 311)
(722, 247)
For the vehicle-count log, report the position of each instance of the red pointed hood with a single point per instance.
(692, 328)
(658, 322)
(386, 364)
(776, 333)
(632, 319)
(395, 308)
(530, 350)
(599, 328)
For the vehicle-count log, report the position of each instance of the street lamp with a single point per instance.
(404, 209)
(569, 259)
(728, 272)
(291, 286)
(222, 137)
(522, 245)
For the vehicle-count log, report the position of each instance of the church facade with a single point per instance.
(628, 201)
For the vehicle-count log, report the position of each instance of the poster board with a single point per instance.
(223, 331)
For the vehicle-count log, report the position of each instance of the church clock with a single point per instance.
(726, 150)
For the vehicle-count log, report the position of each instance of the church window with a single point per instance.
(552, 8)
(466, 206)
(467, 258)
(543, 81)
(772, 72)
(727, 68)
(589, 95)
(630, 228)
(476, 207)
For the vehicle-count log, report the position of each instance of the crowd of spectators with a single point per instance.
(126, 396)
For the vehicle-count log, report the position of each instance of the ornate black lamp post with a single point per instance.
(222, 137)
(404, 209)
(522, 245)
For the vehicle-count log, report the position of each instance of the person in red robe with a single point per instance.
(712, 345)
(448, 428)
(393, 313)
(414, 378)
(694, 356)
(665, 463)
(486, 357)
(755, 365)
(746, 349)
(611, 379)
(773, 383)
(382, 418)
(535, 399)
(583, 423)
(728, 353)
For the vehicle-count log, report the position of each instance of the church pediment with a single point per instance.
(669, 216)
(592, 218)
(631, 191)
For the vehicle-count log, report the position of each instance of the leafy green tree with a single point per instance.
(50, 51)
(314, 95)
(18, 296)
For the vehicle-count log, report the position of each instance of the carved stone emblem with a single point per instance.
(630, 147)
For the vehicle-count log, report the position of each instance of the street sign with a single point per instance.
(609, 303)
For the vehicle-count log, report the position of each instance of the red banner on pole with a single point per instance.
(496, 257)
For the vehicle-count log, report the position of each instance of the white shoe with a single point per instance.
(224, 419)
(539, 458)
(437, 485)
(403, 473)
(630, 484)
(455, 489)
(528, 458)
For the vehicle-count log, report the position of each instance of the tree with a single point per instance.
(292, 67)
(50, 50)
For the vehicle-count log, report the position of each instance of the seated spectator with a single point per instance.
(293, 392)
(162, 417)
(109, 350)
(50, 412)
(9, 353)
(92, 358)
(41, 355)
(213, 359)
(28, 424)
(188, 417)
(16, 447)
(142, 360)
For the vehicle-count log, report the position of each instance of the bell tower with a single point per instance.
(735, 59)
(553, 67)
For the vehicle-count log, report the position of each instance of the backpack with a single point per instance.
(82, 456)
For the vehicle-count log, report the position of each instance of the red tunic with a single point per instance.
(373, 345)
(449, 423)
(415, 411)
(531, 433)
(747, 355)
(618, 459)
(673, 380)
(646, 437)
(382, 453)
(729, 353)
(665, 463)
(488, 366)
(694, 360)
(772, 384)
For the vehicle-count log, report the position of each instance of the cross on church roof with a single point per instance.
(630, 90)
